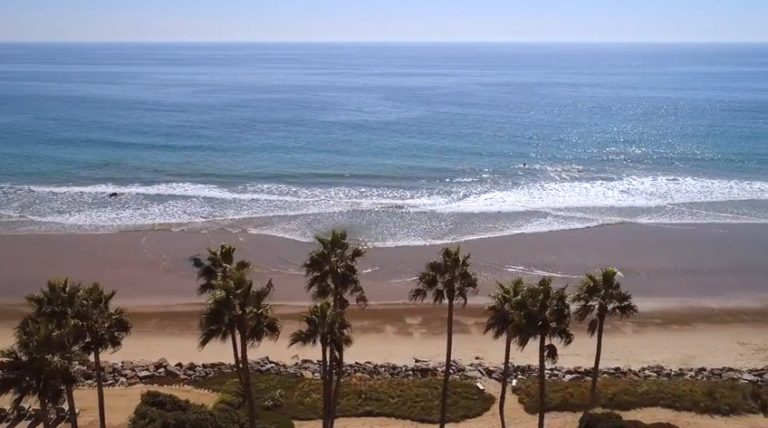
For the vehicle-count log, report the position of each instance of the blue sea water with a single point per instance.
(400, 143)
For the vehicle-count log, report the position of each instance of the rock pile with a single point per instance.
(133, 372)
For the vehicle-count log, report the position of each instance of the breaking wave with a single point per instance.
(422, 213)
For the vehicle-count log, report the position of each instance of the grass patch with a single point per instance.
(412, 399)
(699, 396)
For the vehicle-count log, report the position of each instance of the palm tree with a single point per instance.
(331, 272)
(448, 279)
(326, 327)
(57, 305)
(216, 272)
(601, 297)
(255, 321)
(546, 315)
(31, 367)
(104, 329)
(504, 321)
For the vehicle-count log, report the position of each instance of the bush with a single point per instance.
(411, 399)
(699, 396)
(231, 397)
(614, 420)
(273, 400)
(158, 410)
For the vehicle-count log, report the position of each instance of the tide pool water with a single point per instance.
(399, 143)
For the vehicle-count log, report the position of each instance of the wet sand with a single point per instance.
(662, 264)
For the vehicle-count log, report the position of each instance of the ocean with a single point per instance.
(401, 144)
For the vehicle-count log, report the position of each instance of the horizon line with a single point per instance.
(234, 41)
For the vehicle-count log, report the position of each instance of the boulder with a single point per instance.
(144, 375)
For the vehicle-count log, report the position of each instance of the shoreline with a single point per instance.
(722, 263)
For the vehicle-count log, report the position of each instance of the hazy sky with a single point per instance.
(384, 20)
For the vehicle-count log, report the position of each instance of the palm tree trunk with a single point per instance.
(331, 375)
(99, 390)
(236, 353)
(542, 379)
(332, 362)
(326, 388)
(596, 369)
(246, 376)
(504, 380)
(447, 370)
(71, 404)
(44, 410)
(337, 386)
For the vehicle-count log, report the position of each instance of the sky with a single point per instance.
(385, 20)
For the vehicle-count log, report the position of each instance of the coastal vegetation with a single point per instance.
(237, 310)
(724, 398)
(614, 420)
(68, 323)
(407, 399)
(165, 410)
(447, 279)
(71, 326)
(504, 322)
(216, 272)
(545, 315)
(601, 297)
(331, 272)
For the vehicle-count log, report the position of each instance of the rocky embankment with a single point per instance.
(134, 372)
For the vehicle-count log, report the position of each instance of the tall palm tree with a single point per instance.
(546, 315)
(600, 297)
(216, 272)
(31, 367)
(504, 321)
(331, 272)
(447, 279)
(331, 330)
(104, 329)
(57, 305)
(255, 321)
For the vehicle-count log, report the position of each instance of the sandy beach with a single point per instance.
(701, 290)
(662, 264)
(689, 337)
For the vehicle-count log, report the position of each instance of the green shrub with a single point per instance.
(231, 397)
(699, 396)
(411, 399)
(614, 420)
(158, 410)
(273, 400)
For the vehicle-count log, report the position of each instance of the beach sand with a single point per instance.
(680, 337)
(701, 290)
(662, 264)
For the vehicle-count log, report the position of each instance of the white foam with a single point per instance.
(627, 192)
(434, 213)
